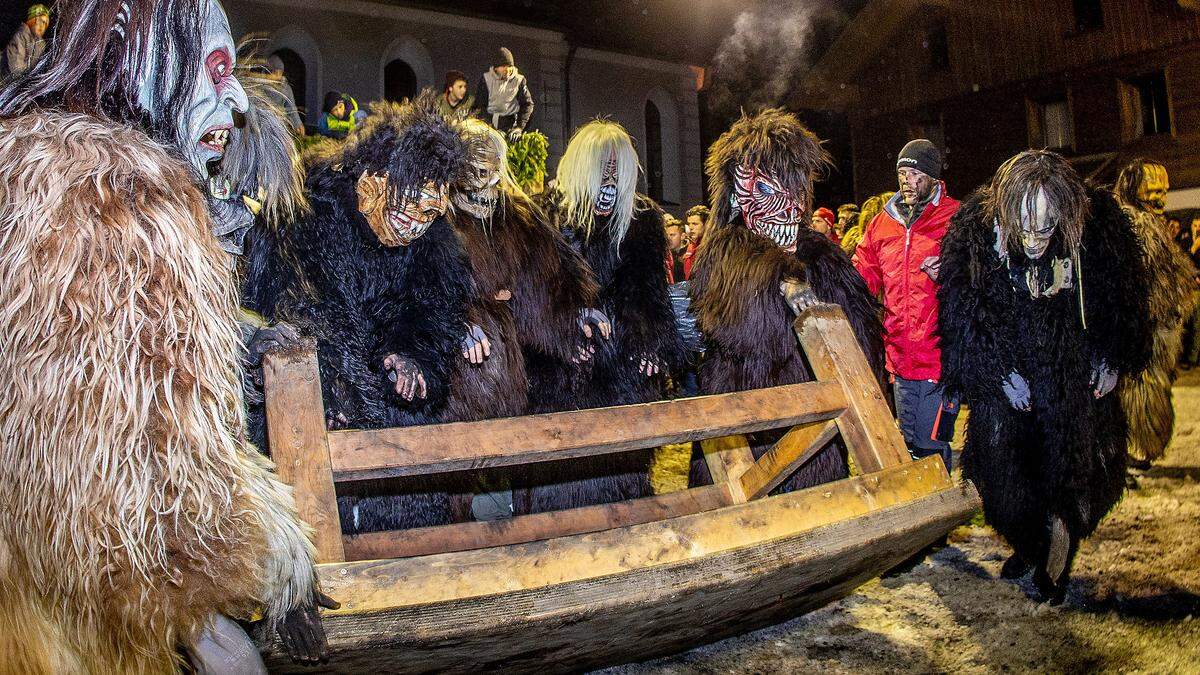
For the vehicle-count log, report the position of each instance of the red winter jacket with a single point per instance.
(890, 258)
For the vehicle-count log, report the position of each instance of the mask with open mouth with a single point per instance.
(479, 192)
(766, 207)
(404, 223)
(606, 196)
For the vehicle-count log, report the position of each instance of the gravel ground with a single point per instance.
(1133, 605)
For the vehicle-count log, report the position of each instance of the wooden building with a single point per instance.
(1102, 81)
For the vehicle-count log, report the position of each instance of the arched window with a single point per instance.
(654, 152)
(294, 71)
(399, 81)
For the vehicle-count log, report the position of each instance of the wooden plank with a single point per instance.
(728, 457)
(296, 428)
(867, 425)
(785, 457)
(647, 612)
(372, 586)
(468, 536)
(409, 451)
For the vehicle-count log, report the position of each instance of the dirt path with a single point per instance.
(1133, 606)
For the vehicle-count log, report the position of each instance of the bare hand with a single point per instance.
(475, 345)
(799, 295)
(302, 633)
(503, 295)
(410, 381)
(583, 352)
(589, 317)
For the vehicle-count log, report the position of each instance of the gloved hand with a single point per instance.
(475, 344)
(279, 336)
(1104, 380)
(514, 134)
(410, 381)
(302, 633)
(1017, 390)
(931, 266)
(589, 317)
(799, 295)
(649, 365)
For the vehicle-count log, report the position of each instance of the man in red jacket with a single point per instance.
(899, 257)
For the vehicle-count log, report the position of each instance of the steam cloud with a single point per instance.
(770, 50)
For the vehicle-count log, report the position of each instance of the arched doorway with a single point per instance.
(294, 71)
(654, 152)
(399, 81)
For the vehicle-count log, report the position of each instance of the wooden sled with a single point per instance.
(615, 583)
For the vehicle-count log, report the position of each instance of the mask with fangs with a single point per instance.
(766, 207)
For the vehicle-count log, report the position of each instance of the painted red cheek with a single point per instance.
(220, 68)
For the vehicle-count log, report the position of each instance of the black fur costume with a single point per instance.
(362, 300)
(1066, 456)
(735, 284)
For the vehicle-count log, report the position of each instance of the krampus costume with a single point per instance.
(135, 516)
(1142, 189)
(619, 234)
(381, 281)
(761, 264)
(1043, 307)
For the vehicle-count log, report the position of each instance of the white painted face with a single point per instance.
(1037, 225)
(202, 132)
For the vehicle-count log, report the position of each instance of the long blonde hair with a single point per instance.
(581, 173)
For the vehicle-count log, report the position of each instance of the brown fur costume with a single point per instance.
(131, 507)
(735, 284)
(1146, 398)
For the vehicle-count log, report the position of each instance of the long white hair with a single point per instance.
(581, 172)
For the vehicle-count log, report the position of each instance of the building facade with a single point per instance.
(373, 51)
(1102, 81)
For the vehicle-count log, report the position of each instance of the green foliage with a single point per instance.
(527, 159)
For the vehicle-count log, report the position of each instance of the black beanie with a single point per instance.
(504, 58)
(922, 156)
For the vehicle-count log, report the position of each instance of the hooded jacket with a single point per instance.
(889, 259)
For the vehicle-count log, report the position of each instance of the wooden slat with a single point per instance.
(296, 428)
(728, 457)
(867, 425)
(785, 457)
(373, 586)
(409, 451)
(469, 536)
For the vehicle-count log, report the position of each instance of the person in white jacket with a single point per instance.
(502, 98)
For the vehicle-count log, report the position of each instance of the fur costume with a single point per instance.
(1060, 461)
(746, 321)
(624, 247)
(365, 301)
(135, 512)
(120, 318)
(1147, 398)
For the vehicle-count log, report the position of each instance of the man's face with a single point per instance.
(820, 224)
(401, 223)
(1037, 225)
(1152, 193)
(606, 198)
(458, 90)
(914, 185)
(339, 110)
(675, 237)
(502, 72)
(202, 132)
(695, 227)
(846, 218)
(767, 208)
(38, 25)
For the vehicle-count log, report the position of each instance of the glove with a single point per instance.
(1017, 390)
(589, 317)
(514, 134)
(931, 266)
(303, 634)
(279, 336)
(799, 295)
(475, 345)
(1104, 380)
(410, 381)
(648, 365)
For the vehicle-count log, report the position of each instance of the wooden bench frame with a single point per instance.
(845, 399)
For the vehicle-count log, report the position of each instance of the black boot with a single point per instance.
(1014, 568)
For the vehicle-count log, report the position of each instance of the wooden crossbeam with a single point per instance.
(536, 527)
(785, 457)
(408, 451)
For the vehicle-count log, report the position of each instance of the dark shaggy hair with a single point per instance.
(1129, 182)
(1016, 184)
(413, 142)
(99, 54)
(773, 140)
